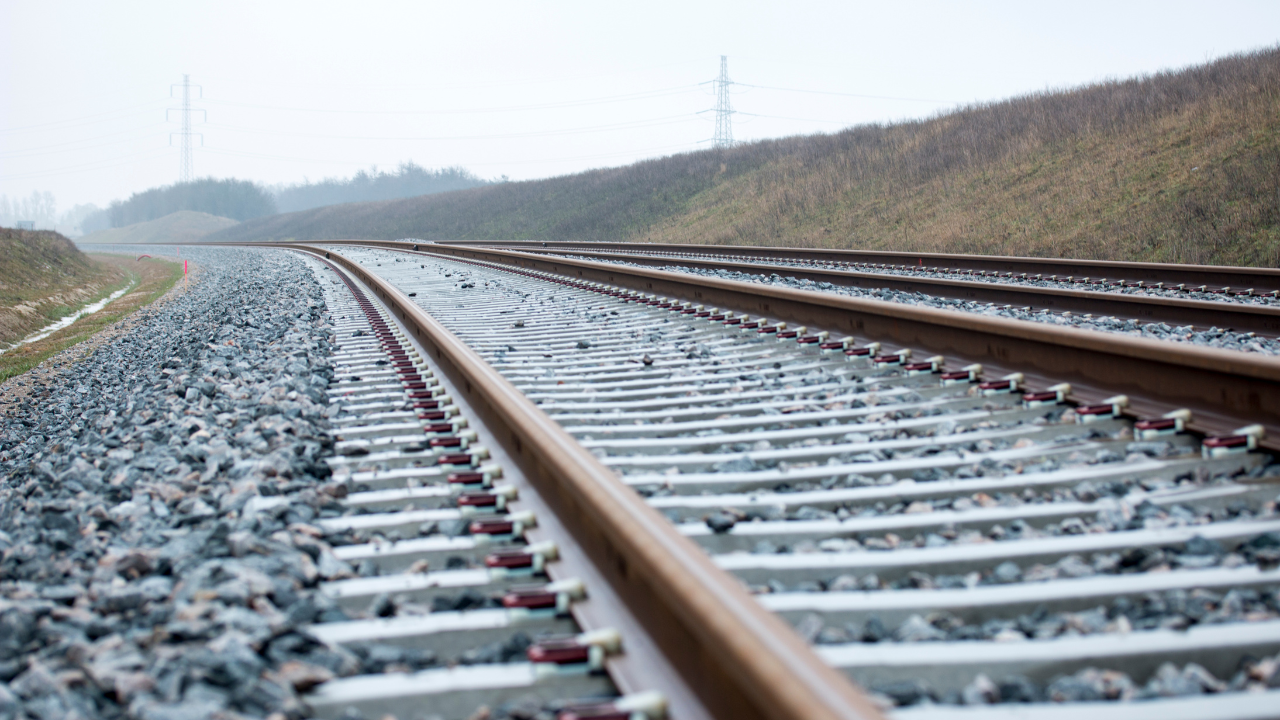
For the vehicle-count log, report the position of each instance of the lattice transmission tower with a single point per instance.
(724, 111)
(186, 171)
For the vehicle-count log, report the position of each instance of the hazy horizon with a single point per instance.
(296, 92)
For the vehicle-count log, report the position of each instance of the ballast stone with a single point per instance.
(148, 492)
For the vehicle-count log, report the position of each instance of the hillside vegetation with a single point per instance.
(230, 198)
(409, 180)
(43, 276)
(179, 227)
(34, 260)
(1175, 167)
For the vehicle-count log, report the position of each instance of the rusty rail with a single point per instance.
(1262, 279)
(744, 661)
(1224, 389)
(1175, 311)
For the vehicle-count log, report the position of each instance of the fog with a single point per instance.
(296, 92)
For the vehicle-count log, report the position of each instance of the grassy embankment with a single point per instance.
(1175, 167)
(44, 277)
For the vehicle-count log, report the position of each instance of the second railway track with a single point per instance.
(1239, 282)
(1105, 290)
(946, 539)
(1206, 309)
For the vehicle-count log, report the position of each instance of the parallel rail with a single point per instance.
(930, 507)
(1262, 280)
(1224, 389)
(1088, 298)
(731, 657)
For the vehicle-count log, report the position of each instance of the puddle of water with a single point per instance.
(48, 330)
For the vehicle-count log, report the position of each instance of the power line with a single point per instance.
(724, 111)
(67, 146)
(784, 117)
(630, 153)
(628, 125)
(186, 172)
(625, 125)
(85, 119)
(844, 94)
(365, 163)
(93, 165)
(641, 95)
(575, 78)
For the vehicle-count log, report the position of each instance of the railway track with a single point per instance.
(681, 482)
(358, 482)
(467, 592)
(1110, 300)
(1223, 388)
(1224, 282)
(464, 561)
(1110, 293)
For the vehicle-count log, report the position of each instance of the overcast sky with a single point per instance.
(297, 90)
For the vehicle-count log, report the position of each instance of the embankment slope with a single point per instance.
(1181, 166)
(42, 274)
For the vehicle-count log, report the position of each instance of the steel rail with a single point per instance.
(639, 669)
(743, 661)
(574, 347)
(1261, 279)
(1175, 311)
(1224, 389)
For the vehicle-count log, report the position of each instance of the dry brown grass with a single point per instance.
(1178, 167)
(151, 277)
(43, 277)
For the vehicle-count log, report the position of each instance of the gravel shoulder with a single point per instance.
(137, 576)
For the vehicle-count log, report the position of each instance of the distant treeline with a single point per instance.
(243, 200)
(235, 199)
(41, 208)
(409, 180)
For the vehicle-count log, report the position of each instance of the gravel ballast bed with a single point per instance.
(138, 577)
